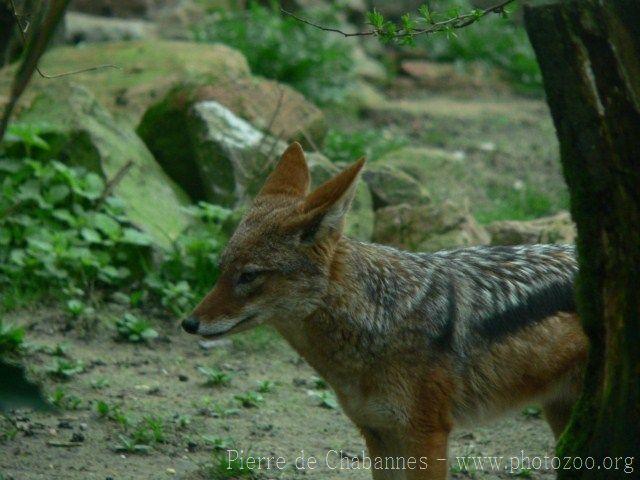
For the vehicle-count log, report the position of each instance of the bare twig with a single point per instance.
(23, 30)
(327, 29)
(113, 182)
(455, 23)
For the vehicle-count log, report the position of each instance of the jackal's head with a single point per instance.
(278, 262)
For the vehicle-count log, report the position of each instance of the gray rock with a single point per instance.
(428, 228)
(82, 132)
(557, 228)
(81, 27)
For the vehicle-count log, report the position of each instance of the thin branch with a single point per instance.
(113, 182)
(455, 23)
(327, 29)
(23, 36)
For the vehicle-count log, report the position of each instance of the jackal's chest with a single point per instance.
(373, 409)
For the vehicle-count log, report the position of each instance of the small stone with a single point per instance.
(64, 424)
(84, 426)
(210, 344)
(171, 471)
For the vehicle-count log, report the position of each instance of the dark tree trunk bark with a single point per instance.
(589, 53)
(7, 23)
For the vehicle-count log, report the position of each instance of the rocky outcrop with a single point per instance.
(427, 228)
(557, 228)
(82, 132)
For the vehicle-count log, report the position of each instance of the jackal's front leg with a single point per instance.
(430, 450)
(407, 455)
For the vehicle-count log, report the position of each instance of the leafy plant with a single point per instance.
(134, 329)
(11, 337)
(225, 467)
(266, 386)
(61, 399)
(218, 443)
(327, 399)
(149, 430)
(214, 376)
(282, 48)
(190, 268)
(250, 399)
(130, 445)
(56, 231)
(65, 368)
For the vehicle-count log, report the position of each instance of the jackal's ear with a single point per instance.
(324, 209)
(291, 175)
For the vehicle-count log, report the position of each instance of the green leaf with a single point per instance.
(65, 216)
(136, 237)
(107, 225)
(57, 193)
(90, 235)
(375, 18)
(94, 186)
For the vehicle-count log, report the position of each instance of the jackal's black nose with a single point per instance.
(191, 324)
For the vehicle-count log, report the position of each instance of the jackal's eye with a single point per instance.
(248, 276)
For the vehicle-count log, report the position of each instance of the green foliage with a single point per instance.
(60, 234)
(235, 467)
(280, 47)
(130, 445)
(510, 203)
(250, 399)
(327, 399)
(65, 368)
(134, 329)
(61, 399)
(190, 268)
(218, 443)
(266, 386)
(349, 146)
(11, 337)
(57, 231)
(215, 377)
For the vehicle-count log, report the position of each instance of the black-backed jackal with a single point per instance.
(414, 344)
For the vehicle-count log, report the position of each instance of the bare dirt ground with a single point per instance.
(161, 380)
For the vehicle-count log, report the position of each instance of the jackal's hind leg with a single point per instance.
(557, 414)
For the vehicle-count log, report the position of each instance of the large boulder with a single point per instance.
(217, 156)
(145, 71)
(270, 106)
(557, 228)
(82, 132)
(427, 228)
(391, 186)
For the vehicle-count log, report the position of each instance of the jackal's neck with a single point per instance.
(371, 290)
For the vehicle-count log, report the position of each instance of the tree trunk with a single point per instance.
(589, 54)
(7, 22)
